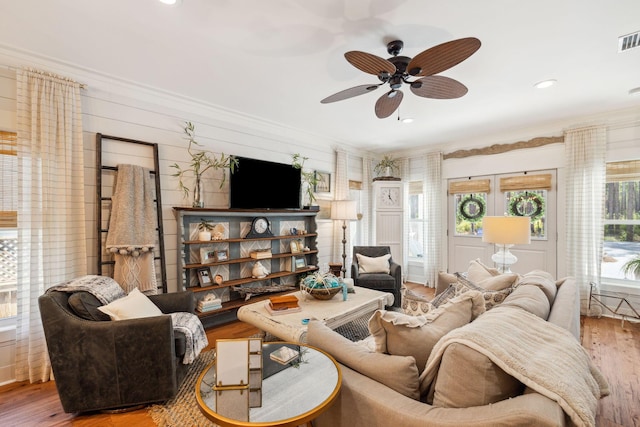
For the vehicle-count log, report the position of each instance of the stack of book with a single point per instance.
(283, 304)
(209, 305)
(261, 254)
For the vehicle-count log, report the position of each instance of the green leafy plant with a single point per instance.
(308, 178)
(201, 161)
(632, 267)
(386, 162)
(205, 225)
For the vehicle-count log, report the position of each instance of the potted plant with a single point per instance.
(632, 267)
(309, 179)
(201, 161)
(204, 230)
(386, 166)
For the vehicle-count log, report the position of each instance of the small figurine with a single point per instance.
(259, 271)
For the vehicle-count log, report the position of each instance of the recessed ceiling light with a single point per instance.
(407, 120)
(171, 2)
(545, 83)
(635, 91)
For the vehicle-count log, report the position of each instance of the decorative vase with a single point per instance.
(198, 200)
(204, 236)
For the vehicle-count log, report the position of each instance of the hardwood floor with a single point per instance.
(614, 349)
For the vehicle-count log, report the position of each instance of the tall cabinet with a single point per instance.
(224, 268)
(388, 207)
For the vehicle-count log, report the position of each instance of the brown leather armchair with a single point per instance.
(104, 364)
(391, 282)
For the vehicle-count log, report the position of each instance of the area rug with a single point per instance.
(183, 409)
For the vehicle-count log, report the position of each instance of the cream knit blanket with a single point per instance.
(132, 229)
(541, 355)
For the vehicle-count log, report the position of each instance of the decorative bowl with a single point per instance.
(322, 293)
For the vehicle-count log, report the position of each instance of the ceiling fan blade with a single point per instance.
(370, 64)
(438, 87)
(350, 93)
(442, 57)
(388, 103)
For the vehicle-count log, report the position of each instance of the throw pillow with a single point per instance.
(477, 271)
(373, 264)
(543, 280)
(468, 378)
(414, 304)
(403, 335)
(489, 278)
(444, 280)
(396, 372)
(85, 305)
(133, 306)
(491, 298)
(529, 298)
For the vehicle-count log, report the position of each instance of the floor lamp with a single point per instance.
(506, 231)
(344, 210)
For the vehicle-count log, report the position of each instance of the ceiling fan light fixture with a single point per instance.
(545, 84)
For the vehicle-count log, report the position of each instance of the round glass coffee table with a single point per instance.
(292, 394)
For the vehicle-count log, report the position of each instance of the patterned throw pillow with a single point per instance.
(491, 298)
(414, 304)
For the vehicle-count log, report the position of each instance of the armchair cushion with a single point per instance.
(85, 305)
(136, 305)
(373, 264)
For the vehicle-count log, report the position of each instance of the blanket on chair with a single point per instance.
(132, 228)
(541, 355)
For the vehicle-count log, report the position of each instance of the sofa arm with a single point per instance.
(354, 270)
(175, 302)
(396, 271)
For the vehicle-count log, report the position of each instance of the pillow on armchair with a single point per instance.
(373, 264)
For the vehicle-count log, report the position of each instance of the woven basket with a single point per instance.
(322, 293)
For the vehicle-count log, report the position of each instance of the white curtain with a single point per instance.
(406, 176)
(585, 151)
(432, 208)
(366, 223)
(51, 220)
(341, 193)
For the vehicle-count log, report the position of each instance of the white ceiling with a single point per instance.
(277, 59)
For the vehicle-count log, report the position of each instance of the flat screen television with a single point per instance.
(260, 184)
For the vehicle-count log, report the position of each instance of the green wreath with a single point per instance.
(527, 197)
(466, 202)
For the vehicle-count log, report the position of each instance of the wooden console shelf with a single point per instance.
(236, 267)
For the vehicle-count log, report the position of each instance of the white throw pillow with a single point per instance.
(133, 306)
(373, 265)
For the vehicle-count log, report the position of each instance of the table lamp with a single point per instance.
(504, 232)
(344, 210)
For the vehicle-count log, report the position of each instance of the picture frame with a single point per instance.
(204, 277)
(207, 255)
(324, 182)
(300, 262)
(295, 246)
(222, 255)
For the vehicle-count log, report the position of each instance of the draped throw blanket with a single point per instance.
(132, 227)
(541, 355)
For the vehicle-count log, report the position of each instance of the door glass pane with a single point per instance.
(469, 211)
(531, 203)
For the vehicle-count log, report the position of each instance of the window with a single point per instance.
(531, 203)
(416, 220)
(8, 225)
(470, 209)
(621, 220)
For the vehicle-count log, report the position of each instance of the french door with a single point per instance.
(531, 194)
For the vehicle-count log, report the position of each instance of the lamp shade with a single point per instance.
(344, 210)
(506, 230)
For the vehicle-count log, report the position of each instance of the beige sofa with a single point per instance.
(365, 402)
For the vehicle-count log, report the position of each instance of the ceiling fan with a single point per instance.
(399, 70)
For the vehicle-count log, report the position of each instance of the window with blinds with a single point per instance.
(416, 220)
(622, 221)
(8, 224)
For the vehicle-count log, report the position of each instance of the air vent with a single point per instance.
(629, 41)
